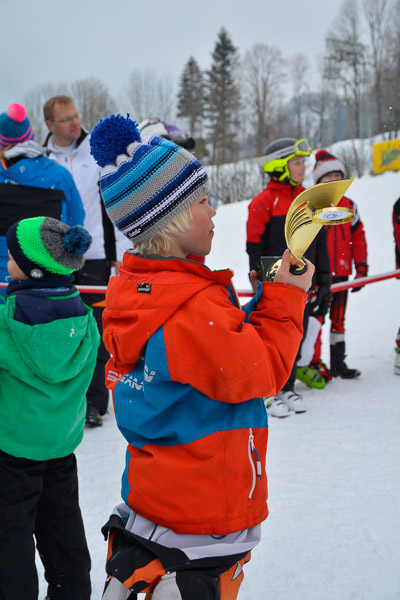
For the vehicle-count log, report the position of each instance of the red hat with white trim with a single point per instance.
(326, 163)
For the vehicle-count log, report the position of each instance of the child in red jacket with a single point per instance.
(346, 245)
(284, 162)
(187, 370)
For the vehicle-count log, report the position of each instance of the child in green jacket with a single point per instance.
(48, 349)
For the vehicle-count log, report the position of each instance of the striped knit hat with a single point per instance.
(14, 126)
(45, 247)
(145, 182)
(326, 163)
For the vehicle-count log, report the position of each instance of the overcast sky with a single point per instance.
(44, 41)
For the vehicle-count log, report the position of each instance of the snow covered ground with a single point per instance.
(334, 472)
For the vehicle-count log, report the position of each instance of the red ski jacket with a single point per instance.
(266, 229)
(188, 372)
(347, 244)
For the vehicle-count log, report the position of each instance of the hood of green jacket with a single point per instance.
(45, 371)
(53, 351)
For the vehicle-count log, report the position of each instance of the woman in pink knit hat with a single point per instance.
(30, 183)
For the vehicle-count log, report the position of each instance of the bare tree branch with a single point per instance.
(263, 72)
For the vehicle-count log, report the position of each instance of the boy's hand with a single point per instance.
(283, 274)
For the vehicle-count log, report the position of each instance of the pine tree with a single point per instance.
(222, 101)
(191, 97)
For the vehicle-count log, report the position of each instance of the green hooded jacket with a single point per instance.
(45, 371)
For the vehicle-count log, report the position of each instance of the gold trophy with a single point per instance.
(313, 208)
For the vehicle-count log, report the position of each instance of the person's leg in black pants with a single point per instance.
(21, 485)
(41, 498)
(96, 272)
(60, 534)
(289, 385)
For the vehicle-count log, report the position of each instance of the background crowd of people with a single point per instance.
(67, 219)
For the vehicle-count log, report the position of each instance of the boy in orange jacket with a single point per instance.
(188, 370)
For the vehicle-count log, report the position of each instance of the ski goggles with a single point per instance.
(299, 148)
(302, 148)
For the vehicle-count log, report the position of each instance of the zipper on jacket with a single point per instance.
(256, 471)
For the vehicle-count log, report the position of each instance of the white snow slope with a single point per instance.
(334, 472)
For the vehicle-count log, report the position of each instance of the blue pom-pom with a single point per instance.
(77, 240)
(111, 136)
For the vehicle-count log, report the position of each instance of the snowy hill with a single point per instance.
(334, 527)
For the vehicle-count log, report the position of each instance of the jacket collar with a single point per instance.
(45, 283)
(50, 141)
(153, 263)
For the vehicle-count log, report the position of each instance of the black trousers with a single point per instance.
(289, 385)
(40, 499)
(96, 272)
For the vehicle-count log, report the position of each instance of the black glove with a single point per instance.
(320, 305)
(361, 271)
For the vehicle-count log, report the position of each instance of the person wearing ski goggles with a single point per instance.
(285, 162)
(278, 159)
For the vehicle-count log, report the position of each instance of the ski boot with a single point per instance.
(276, 408)
(93, 417)
(311, 377)
(397, 361)
(338, 366)
(293, 401)
(322, 368)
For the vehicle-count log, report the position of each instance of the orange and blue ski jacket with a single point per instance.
(188, 371)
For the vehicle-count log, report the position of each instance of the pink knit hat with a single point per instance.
(14, 126)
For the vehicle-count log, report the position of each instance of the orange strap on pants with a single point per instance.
(228, 583)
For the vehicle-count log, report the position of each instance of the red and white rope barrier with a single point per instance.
(336, 287)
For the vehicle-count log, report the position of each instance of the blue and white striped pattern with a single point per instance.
(149, 185)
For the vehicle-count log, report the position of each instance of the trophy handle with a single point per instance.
(298, 270)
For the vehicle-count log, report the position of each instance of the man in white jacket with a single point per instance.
(68, 145)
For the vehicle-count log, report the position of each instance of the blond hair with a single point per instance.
(161, 242)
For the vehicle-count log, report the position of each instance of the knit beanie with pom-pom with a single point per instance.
(45, 247)
(326, 163)
(14, 126)
(145, 182)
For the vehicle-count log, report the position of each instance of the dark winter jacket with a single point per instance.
(25, 166)
(347, 244)
(48, 351)
(396, 231)
(266, 229)
(41, 172)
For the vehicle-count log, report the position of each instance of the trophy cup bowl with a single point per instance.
(314, 207)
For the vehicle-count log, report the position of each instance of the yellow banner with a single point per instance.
(386, 156)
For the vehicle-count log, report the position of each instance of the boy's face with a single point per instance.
(297, 168)
(197, 239)
(334, 176)
(14, 270)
